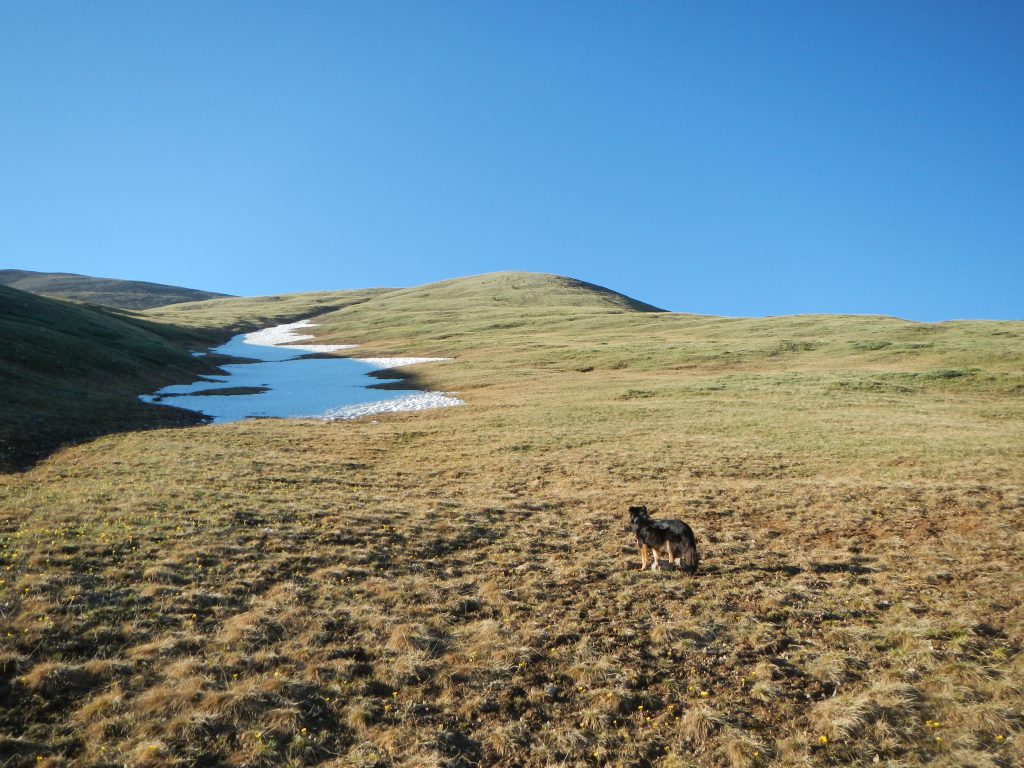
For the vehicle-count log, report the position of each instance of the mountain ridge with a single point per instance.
(103, 291)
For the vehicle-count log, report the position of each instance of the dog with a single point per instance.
(673, 536)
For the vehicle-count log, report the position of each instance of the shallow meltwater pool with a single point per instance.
(285, 382)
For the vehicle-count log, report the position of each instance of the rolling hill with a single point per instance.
(107, 292)
(70, 372)
(525, 290)
(236, 315)
(493, 295)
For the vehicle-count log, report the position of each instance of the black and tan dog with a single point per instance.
(673, 536)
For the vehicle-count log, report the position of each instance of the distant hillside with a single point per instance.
(107, 292)
(487, 298)
(505, 329)
(524, 289)
(69, 372)
(239, 314)
(517, 309)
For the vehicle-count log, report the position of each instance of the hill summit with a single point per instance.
(526, 289)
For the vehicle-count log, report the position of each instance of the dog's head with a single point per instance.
(638, 515)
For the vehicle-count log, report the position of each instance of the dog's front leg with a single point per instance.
(643, 554)
(654, 553)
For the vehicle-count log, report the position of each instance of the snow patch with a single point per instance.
(286, 334)
(383, 363)
(420, 401)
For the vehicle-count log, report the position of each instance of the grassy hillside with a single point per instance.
(236, 315)
(70, 372)
(522, 290)
(457, 588)
(523, 295)
(107, 292)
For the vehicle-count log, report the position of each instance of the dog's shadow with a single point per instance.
(857, 569)
(664, 565)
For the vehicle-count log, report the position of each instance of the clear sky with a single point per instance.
(752, 158)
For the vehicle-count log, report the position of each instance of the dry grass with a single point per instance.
(456, 588)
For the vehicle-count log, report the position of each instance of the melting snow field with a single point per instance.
(285, 383)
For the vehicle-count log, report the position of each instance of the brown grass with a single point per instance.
(456, 587)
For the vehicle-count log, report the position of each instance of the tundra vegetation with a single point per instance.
(457, 588)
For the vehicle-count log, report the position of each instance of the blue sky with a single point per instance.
(721, 158)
